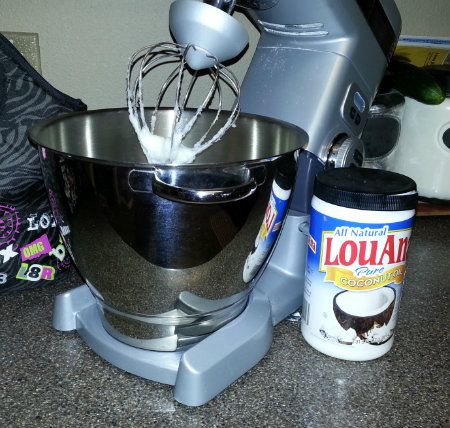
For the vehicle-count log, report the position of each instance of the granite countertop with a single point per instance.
(52, 379)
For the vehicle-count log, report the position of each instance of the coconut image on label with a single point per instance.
(366, 316)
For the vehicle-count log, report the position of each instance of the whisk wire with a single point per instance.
(151, 57)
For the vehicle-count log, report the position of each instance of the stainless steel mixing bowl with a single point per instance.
(162, 247)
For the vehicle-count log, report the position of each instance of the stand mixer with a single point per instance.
(317, 66)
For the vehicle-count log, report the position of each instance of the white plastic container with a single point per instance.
(360, 228)
(423, 148)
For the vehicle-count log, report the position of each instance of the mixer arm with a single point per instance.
(318, 65)
(208, 24)
(209, 27)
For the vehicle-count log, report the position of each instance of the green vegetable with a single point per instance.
(414, 82)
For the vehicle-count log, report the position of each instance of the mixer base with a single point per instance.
(198, 373)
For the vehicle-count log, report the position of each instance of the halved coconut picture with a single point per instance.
(365, 312)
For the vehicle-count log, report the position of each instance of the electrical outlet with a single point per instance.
(28, 45)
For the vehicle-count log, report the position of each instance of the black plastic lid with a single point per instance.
(366, 189)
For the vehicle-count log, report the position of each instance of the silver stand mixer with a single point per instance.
(317, 66)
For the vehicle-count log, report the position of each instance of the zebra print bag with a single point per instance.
(31, 253)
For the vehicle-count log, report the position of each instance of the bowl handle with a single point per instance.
(202, 196)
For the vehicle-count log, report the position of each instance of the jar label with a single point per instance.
(355, 258)
(354, 276)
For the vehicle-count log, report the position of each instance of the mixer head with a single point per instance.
(193, 22)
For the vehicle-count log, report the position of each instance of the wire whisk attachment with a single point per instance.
(169, 148)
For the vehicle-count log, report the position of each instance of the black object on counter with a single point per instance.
(28, 232)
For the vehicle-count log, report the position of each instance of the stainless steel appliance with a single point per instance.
(317, 66)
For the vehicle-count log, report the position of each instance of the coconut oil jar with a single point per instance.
(360, 228)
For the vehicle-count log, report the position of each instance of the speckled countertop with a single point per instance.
(52, 379)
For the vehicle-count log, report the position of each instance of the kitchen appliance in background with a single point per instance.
(410, 137)
(382, 131)
(317, 67)
(423, 148)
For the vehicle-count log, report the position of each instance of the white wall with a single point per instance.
(425, 17)
(85, 44)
